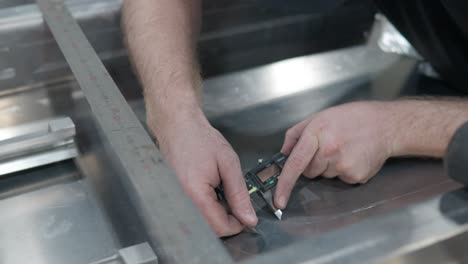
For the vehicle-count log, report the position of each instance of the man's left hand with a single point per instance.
(350, 141)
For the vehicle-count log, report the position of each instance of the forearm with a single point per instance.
(161, 36)
(424, 127)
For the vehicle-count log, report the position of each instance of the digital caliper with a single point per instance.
(262, 179)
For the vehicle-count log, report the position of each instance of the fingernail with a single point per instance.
(250, 217)
(282, 202)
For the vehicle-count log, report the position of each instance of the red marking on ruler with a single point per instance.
(146, 167)
(93, 77)
(184, 228)
(116, 115)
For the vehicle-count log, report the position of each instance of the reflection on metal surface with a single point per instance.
(53, 225)
(439, 247)
(426, 225)
(37, 159)
(138, 254)
(29, 54)
(320, 206)
(7, 73)
(268, 198)
(35, 144)
(391, 40)
(35, 137)
(315, 73)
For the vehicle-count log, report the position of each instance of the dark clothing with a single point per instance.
(438, 29)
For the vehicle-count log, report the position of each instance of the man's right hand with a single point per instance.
(202, 160)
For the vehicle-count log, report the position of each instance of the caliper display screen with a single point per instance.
(268, 172)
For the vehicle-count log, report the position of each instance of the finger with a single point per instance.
(215, 214)
(349, 179)
(356, 178)
(317, 167)
(235, 188)
(292, 136)
(300, 157)
(372, 172)
(330, 172)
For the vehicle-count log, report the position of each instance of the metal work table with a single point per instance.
(79, 212)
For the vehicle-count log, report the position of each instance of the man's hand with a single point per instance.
(202, 159)
(161, 36)
(350, 141)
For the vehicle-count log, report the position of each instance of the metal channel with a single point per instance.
(177, 231)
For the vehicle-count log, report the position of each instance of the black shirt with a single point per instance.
(438, 29)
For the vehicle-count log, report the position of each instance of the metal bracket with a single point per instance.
(36, 144)
(138, 254)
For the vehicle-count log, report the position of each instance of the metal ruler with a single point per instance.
(175, 227)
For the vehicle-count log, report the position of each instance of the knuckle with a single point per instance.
(220, 230)
(230, 160)
(290, 134)
(309, 174)
(332, 148)
(354, 178)
(361, 177)
(199, 202)
(329, 175)
(322, 123)
(365, 180)
(348, 179)
(204, 209)
(314, 170)
(234, 158)
(225, 148)
(344, 167)
(225, 168)
(228, 151)
(239, 197)
(224, 231)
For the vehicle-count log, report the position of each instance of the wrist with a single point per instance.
(396, 128)
(422, 127)
(404, 125)
(167, 119)
(161, 118)
(387, 131)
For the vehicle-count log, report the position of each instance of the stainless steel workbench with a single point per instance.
(76, 212)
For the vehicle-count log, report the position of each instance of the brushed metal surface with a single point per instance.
(53, 221)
